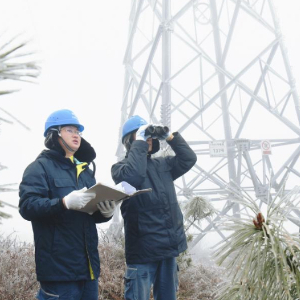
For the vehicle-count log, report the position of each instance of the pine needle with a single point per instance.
(196, 209)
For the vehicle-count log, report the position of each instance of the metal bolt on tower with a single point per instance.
(216, 71)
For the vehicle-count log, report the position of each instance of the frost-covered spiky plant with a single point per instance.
(261, 256)
(197, 209)
(16, 64)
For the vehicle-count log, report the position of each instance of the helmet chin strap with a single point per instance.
(65, 144)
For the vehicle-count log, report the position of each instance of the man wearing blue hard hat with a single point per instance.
(153, 222)
(52, 192)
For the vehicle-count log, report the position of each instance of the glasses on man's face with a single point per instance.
(71, 131)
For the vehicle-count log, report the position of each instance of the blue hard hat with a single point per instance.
(62, 117)
(132, 124)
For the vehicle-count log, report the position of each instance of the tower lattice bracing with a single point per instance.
(216, 71)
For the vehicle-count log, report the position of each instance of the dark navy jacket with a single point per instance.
(153, 221)
(65, 240)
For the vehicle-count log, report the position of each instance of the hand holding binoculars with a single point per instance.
(157, 132)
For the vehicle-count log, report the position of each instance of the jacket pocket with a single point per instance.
(62, 187)
(63, 182)
(164, 167)
(165, 173)
(152, 222)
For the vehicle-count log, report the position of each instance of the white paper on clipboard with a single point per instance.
(121, 191)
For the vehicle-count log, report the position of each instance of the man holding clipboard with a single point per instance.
(52, 193)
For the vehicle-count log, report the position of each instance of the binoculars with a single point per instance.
(156, 131)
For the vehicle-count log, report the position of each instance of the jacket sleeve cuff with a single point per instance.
(176, 135)
(62, 206)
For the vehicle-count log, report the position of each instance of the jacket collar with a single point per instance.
(65, 163)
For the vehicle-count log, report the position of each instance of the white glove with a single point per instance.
(140, 134)
(78, 199)
(107, 208)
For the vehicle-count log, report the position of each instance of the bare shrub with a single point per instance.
(17, 275)
(112, 270)
(199, 282)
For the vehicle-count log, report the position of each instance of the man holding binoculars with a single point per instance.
(153, 222)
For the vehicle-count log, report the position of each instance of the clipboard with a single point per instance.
(106, 192)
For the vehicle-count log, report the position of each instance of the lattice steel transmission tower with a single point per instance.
(216, 71)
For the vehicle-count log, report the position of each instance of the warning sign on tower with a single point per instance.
(266, 148)
(217, 149)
